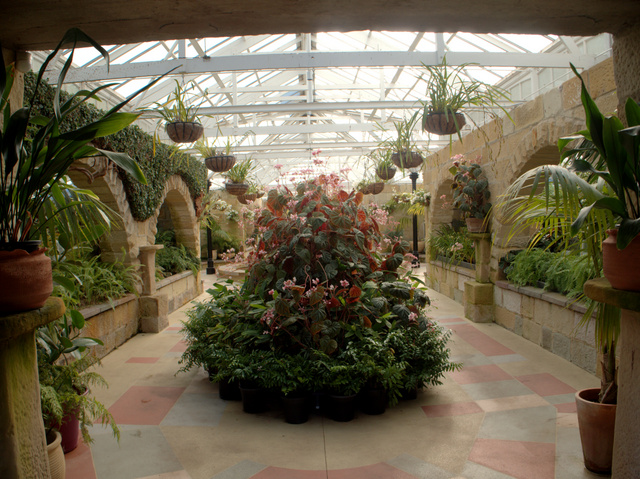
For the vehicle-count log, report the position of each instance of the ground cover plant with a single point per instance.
(320, 290)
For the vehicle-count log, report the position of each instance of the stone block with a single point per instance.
(528, 113)
(478, 313)
(497, 296)
(526, 306)
(505, 318)
(561, 346)
(547, 338)
(458, 296)
(517, 327)
(552, 103)
(154, 313)
(583, 355)
(478, 293)
(531, 331)
(541, 310)
(511, 301)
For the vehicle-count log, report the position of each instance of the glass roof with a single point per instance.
(279, 98)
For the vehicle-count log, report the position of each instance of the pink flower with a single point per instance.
(344, 283)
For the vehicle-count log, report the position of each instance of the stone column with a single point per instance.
(626, 65)
(154, 307)
(478, 294)
(22, 437)
(626, 444)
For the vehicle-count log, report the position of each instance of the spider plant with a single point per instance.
(240, 171)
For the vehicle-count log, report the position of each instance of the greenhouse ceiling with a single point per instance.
(281, 98)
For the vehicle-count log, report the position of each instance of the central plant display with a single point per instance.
(323, 308)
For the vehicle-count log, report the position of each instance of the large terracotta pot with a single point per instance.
(26, 279)
(621, 266)
(442, 124)
(476, 225)
(57, 466)
(596, 422)
(184, 131)
(220, 163)
(408, 159)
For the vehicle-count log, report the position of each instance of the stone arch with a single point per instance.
(178, 199)
(99, 175)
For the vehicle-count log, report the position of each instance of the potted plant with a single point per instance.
(295, 378)
(369, 186)
(216, 159)
(449, 90)
(404, 151)
(471, 193)
(252, 193)
(35, 155)
(180, 116)
(342, 376)
(236, 177)
(385, 169)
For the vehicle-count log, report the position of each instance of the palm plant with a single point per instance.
(177, 107)
(240, 171)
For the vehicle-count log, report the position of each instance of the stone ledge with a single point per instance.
(471, 273)
(550, 297)
(15, 325)
(96, 309)
(600, 289)
(173, 279)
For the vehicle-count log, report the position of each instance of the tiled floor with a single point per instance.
(509, 413)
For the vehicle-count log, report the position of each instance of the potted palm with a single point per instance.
(471, 193)
(35, 155)
(181, 117)
(236, 177)
(449, 90)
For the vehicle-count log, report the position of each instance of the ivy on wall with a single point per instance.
(158, 167)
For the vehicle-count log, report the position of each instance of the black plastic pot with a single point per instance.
(341, 408)
(229, 390)
(409, 394)
(296, 408)
(373, 401)
(254, 399)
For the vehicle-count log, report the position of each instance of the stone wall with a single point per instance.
(449, 279)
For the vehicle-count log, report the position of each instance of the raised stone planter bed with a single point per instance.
(448, 279)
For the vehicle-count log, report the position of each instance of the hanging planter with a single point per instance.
(26, 277)
(407, 159)
(184, 131)
(376, 188)
(220, 163)
(236, 189)
(443, 123)
(385, 172)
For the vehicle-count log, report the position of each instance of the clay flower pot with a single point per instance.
(620, 266)
(57, 465)
(26, 279)
(596, 422)
(476, 225)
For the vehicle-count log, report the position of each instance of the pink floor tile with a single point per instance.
(180, 347)
(145, 405)
(480, 374)
(545, 384)
(375, 471)
(567, 407)
(79, 463)
(455, 409)
(139, 359)
(482, 342)
(522, 460)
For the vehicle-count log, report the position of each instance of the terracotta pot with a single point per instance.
(184, 131)
(386, 173)
(57, 466)
(596, 422)
(476, 225)
(26, 280)
(409, 159)
(377, 188)
(220, 163)
(620, 266)
(441, 124)
(236, 189)
(70, 428)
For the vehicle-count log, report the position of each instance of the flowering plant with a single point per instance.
(470, 188)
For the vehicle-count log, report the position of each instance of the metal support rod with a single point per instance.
(416, 262)
(210, 268)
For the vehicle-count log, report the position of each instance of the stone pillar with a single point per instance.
(626, 444)
(478, 294)
(22, 436)
(626, 65)
(154, 307)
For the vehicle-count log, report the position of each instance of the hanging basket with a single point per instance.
(443, 124)
(247, 197)
(386, 172)
(408, 159)
(184, 131)
(236, 189)
(220, 163)
(376, 188)
(365, 190)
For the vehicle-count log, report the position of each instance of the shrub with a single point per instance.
(452, 244)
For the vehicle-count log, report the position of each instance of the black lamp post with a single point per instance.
(210, 268)
(416, 262)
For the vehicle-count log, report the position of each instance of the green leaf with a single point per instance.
(77, 319)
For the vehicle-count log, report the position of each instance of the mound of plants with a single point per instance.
(455, 246)
(323, 307)
(174, 258)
